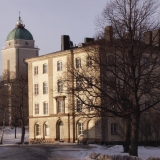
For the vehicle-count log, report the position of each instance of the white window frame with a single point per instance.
(60, 86)
(36, 89)
(45, 87)
(80, 128)
(59, 66)
(60, 106)
(38, 129)
(36, 108)
(45, 68)
(45, 108)
(78, 63)
(46, 127)
(35, 70)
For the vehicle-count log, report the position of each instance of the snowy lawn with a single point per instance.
(9, 135)
(144, 152)
(82, 151)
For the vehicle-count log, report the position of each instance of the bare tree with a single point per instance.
(18, 99)
(120, 76)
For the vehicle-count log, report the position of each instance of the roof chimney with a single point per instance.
(108, 33)
(86, 40)
(65, 42)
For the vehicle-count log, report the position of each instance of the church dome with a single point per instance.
(19, 32)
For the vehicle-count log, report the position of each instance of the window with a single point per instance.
(38, 130)
(36, 108)
(45, 68)
(78, 83)
(26, 43)
(45, 108)
(60, 106)
(78, 63)
(80, 128)
(35, 70)
(145, 62)
(59, 66)
(89, 61)
(36, 91)
(60, 86)
(90, 105)
(79, 105)
(46, 127)
(113, 128)
(45, 88)
(147, 105)
(89, 82)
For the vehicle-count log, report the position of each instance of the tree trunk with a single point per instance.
(134, 134)
(4, 116)
(23, 133)
(127, 135)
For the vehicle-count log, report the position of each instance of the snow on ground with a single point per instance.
(81, 152)
(9, 135)
(144, 152)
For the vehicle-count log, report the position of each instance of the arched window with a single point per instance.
(46, 129)
(45, 88)
(37, 129)
(59, 66)
(45, 107)
(80, 128)
(60, 86)
(45, 69)
(78, 63)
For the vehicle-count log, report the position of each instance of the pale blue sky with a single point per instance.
(47, 20)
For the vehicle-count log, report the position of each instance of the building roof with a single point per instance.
(19, 32)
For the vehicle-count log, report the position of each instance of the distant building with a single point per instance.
(19, 45)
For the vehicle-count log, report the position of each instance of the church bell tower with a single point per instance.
(19, 46)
